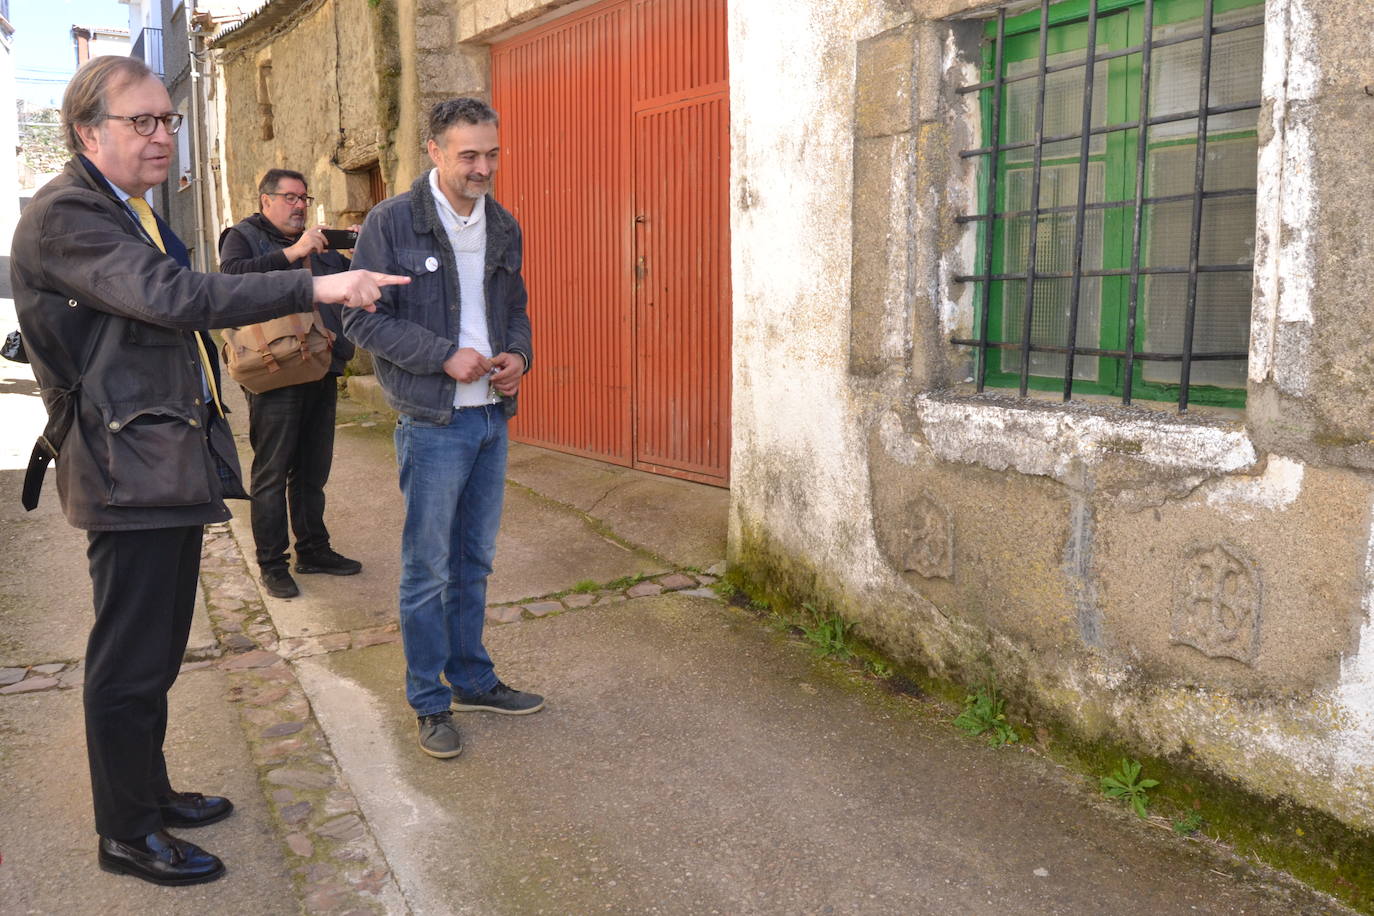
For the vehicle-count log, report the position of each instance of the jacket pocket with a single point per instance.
(142, 334)
(157, 457)
(426, 300)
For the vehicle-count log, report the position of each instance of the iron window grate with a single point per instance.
(1127, 210)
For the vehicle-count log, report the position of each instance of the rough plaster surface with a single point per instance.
(1276, 488)
(1129, 497)
(1285, 260)
(1355, 697)
(797, 453)
(1050, 442)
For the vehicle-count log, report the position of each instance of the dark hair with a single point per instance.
(272, 180)
(83, 104)
(463, 110)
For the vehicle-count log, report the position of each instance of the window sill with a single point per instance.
(1042, 435)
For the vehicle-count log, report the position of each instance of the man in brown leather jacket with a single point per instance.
(111, 316)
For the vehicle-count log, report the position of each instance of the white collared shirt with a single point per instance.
(468, 236)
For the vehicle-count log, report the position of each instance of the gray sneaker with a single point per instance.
(439, 735)
(500, 698)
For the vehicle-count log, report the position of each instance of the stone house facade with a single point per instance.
(308, 86)
(1169, 554)
(339, 90)
(1192, 584)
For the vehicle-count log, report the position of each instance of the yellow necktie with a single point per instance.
(145, 216)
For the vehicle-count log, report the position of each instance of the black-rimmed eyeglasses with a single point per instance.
(145, 124)
(291, 198)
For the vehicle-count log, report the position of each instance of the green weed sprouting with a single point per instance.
(829, 635)
(1187, 826)
(983, 713)
(1126, 784)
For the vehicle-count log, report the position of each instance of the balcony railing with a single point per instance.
(148, 49)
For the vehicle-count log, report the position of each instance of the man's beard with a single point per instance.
(471, 193)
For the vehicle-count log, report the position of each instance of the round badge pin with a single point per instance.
(431, 264)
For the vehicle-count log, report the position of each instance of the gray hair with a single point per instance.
(83, 104)
(464, 110)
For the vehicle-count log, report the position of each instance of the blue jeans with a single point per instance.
(453, 479)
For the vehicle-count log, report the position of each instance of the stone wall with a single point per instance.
(1192, 586)
(307, 91)
(446, 51)
(328, 86)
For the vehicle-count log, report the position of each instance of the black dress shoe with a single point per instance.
(191, 809)
(160, 858)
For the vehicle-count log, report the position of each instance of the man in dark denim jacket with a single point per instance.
(449, 351)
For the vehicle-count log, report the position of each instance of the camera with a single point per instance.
(339, 238)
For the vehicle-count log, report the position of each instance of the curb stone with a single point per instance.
(689, 583)
(333, 858)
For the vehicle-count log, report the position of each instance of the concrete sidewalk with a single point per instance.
(690, 760)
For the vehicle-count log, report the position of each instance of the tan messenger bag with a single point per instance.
(289, 350)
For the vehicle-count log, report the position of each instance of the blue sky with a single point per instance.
(44, 57)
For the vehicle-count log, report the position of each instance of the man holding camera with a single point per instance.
(291, 428)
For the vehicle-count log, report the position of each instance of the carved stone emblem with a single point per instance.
(930, 551)
(1218, 607)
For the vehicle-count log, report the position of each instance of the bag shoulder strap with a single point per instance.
(61, 415)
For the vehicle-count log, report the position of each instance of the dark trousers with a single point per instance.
(144, 585)
(292, 433)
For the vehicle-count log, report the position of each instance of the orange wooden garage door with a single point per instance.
(615, 140)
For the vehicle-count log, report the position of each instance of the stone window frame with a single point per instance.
(910, 185)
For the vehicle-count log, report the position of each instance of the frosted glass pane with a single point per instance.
(1054, 231)
(1176, 77)
(1231, 163)
(1228, 224)
(1222, 319)
(1236, 59)
(1053, 254)
(1063, 108)
(1222, 323)
(1050, 323)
